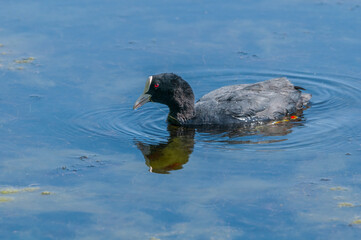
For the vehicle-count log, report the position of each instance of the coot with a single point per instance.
(237, 104)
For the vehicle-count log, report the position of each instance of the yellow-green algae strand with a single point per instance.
(17, 190)
(25, 60)
(338, 189)
(358, 221)
(5, 199)
(345, 204)
(9, 191)
(30, 189)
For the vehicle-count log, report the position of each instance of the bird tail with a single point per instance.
(299, 88)
(305, 97)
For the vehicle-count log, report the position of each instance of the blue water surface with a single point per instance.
(78, 163)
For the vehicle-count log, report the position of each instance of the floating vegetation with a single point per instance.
(9, 191)
(5, 199)
(338, 189)
(25, 60)
(358, 221)
(15, 190)
(45, 193)
(30, 189)
(345, 204)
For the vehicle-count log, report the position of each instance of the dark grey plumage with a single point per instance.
(237, 104)
(247, 103)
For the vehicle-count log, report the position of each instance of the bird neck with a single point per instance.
(181, 112)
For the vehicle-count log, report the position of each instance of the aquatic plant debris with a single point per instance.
(358, 221)
(5, 199)
(17, 190)
(30, 189)
(338, 189)
(345, 204)
(9, 191)
(45, 193)
(25, 60)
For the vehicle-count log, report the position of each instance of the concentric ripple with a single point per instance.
(118, 122)
(327, 123)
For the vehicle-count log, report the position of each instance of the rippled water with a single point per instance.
(78, 163)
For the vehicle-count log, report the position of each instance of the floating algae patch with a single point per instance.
(345, 204)
(30, 189)
(25, 60)
(338, 189)
(9, 191)
(5, 199)
(45, 193)
(17, 190)
(358, 221)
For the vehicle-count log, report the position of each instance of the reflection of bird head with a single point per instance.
(165, 157)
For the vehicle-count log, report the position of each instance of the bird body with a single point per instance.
(237, 104)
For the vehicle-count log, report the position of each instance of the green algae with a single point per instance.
(30, 189)
(17, 190)
(45, 193)
(345, 204)
(358, 221)
(25, 60)
(9, 191)
(338, 189)
(5, 199)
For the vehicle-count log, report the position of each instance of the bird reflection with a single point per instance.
(172, 155)
(165, 157)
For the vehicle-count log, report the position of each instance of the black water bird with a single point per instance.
(261, 102)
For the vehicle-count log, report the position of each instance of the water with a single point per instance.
(78, 163)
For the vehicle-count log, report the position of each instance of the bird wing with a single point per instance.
(254, 102)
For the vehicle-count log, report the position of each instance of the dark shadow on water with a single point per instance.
(172, 155)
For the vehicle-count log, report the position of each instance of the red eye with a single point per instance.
(156, 85)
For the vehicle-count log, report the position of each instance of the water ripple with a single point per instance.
(116, 122)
